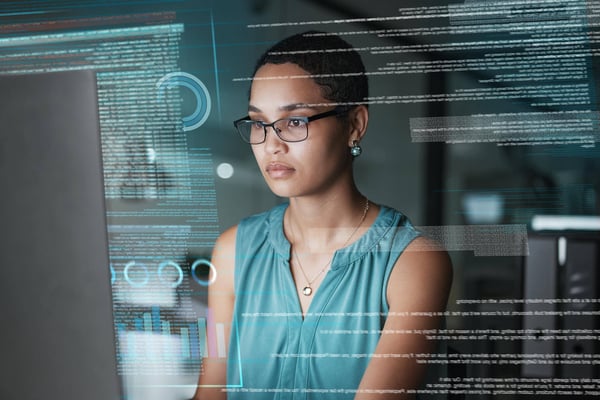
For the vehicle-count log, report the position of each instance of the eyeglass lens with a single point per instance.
(288, 129)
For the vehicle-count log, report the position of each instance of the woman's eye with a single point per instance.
(256, 124)
(296, 123)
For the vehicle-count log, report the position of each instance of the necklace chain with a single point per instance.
(307, 290)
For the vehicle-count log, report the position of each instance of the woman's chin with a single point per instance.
(283, 189)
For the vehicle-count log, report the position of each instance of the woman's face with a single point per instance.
(298, 168)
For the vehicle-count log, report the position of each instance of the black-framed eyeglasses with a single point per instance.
(290, 129)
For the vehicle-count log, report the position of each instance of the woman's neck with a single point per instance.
(322, 223)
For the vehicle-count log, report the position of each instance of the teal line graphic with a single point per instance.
(214, 46)
(203, 101)
(12, 14)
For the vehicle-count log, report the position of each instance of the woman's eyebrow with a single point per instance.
(295, 106)
(287, 107)
(255, 109)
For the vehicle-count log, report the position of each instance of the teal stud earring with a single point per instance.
(355, 150)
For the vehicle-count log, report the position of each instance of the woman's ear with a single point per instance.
(358, 120)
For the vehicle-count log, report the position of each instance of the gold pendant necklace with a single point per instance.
(307, 290)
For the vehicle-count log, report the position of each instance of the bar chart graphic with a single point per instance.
(154, 344)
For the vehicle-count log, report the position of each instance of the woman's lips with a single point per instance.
(279, 170)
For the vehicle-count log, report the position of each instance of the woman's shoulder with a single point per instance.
(271, 216)
(252, 226)
(390, 216)
(420, 243)
(226, 240)
(393, 222)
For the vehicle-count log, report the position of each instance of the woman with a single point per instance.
(321, 293)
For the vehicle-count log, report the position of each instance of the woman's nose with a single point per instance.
(273, 143)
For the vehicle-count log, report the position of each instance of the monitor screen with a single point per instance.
(57, 338)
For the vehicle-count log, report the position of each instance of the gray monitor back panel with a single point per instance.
(56, 331)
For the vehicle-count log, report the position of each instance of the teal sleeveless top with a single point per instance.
(274, 352)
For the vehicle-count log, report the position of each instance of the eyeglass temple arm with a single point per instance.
(237, 121)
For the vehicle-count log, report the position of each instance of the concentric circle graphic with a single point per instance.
(203, 102)
(202, 282)
(113, 274)
(166, 264)
(138, 283)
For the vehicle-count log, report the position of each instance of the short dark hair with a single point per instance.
(331, 61)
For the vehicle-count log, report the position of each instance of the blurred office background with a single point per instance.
(173, 75)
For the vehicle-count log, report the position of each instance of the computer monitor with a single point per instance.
(57, 335)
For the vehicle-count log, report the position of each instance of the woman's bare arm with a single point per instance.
(419, 282)
(213, 375)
